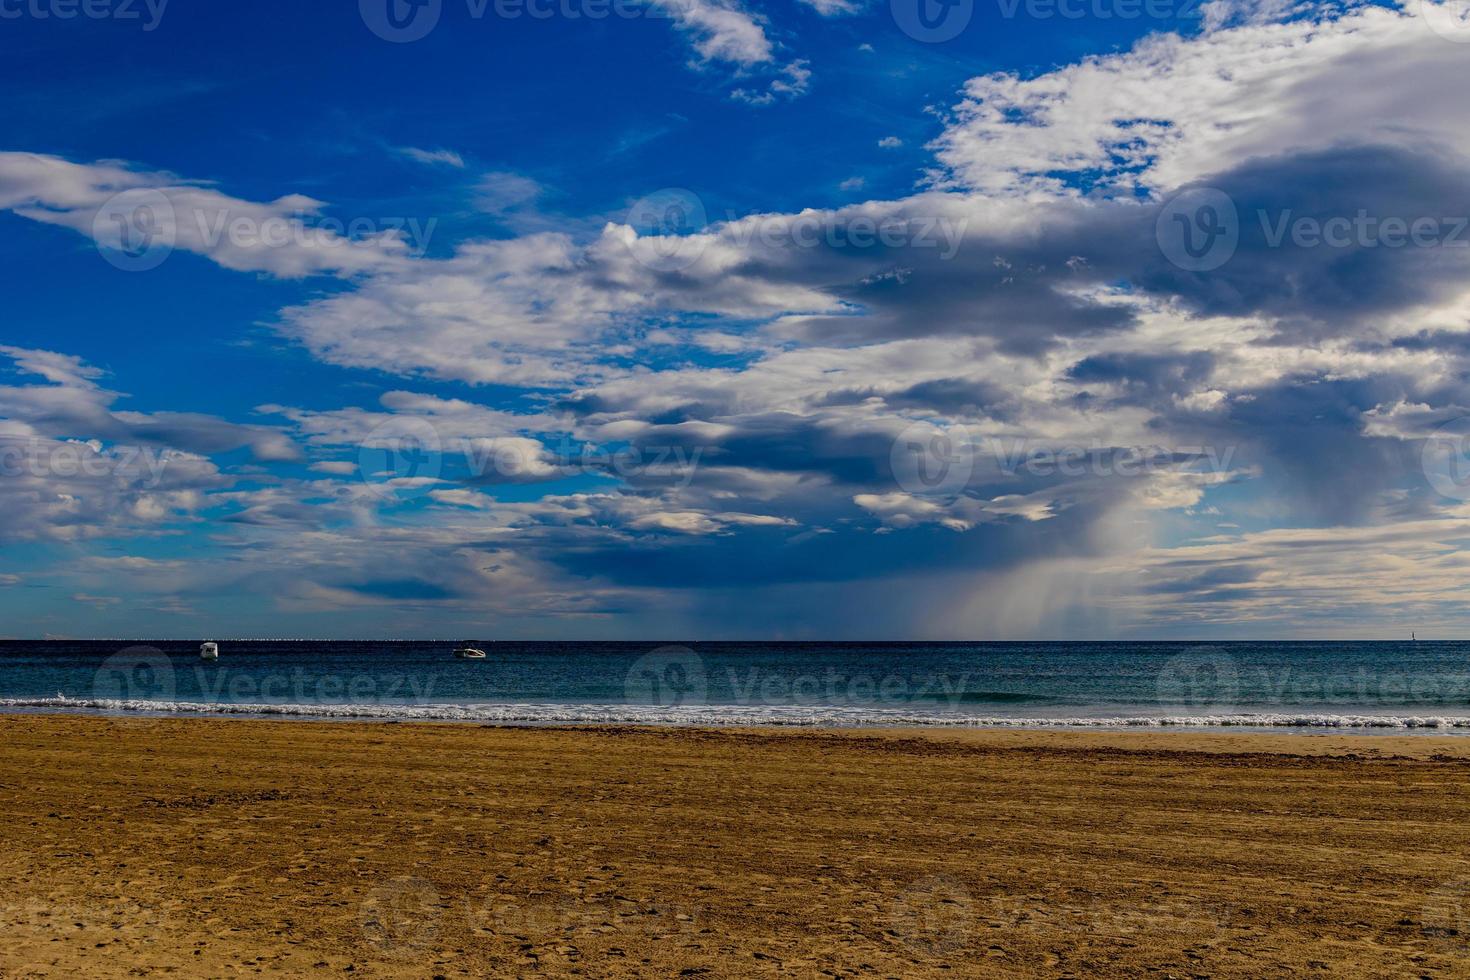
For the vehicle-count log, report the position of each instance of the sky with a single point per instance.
(699, 319)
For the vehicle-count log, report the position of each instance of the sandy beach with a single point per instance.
(222, 847)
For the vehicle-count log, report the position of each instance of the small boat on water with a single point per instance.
(209, 651)
(469, 653)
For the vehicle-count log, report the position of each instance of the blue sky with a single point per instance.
(732, 319)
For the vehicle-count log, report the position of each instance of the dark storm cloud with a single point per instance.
(764, 556)
(1026, 288)
(411, 589)
(1145, 377)
(1307, 437)
(957, 397)
(1368, 262)
(1212, 581)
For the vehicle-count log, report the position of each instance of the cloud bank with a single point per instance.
(1001, 405)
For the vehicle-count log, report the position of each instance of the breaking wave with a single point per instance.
(821, 716)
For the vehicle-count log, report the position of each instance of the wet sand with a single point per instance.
(224, 847)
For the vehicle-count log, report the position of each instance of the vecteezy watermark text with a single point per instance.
(929, 459)
(406, 21)
(1100, 9)
(937, 21)
(145, 673)
(139, 466)
(1201, 229)
(137, 230)
(147, 13)
(310, 231)
(1363, 230)
(677, 676)
(406, 917)
(1209, 679)
(407, 455)
(674, 231)
(1164, 915)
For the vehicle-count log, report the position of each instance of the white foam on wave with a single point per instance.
(821, 716)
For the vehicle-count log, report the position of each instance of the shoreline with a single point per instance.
(1327, 742)
(816, 717)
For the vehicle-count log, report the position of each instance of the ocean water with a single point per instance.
(1314, 686)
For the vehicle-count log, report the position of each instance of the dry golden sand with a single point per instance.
(216, 847)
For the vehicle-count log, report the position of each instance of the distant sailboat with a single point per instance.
(1412, 637)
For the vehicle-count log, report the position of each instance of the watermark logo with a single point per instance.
(140, 673)
(669, 223)
(1198, 229)
(934, 916)
(1445, 460)
(136, 229)
(673, 230)
(401, 457)
(218, 684)
(547, 918)
(400, 920)
(1363, 230)
(932, 21)
(671, 677)
(1165, 916)
(1446, 915)
(1202, 678)
(303, 230)
(927, 459)
(140, 467)
(148, 13)
(1101, 9)
(1450, 19)
(401, 21)
(404, 21)
(677, 464)
(89, 920)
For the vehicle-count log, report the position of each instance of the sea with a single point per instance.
(1326, 686)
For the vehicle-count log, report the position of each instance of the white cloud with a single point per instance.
(463, 498)
(440, 156)
(534, 310)
(697, 523)
(283, 237)
(512, 459)
(721, 31)
(792, 82)
(1174, 110)
(500, 192)
(75, 405)
(904, 510)
(1392, 576)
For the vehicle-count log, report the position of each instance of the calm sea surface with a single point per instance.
(1378, 686)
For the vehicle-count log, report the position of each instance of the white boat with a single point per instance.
(209, 651)
(469, 653)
